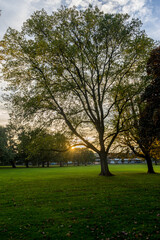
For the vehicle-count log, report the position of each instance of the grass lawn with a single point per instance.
(76, 203)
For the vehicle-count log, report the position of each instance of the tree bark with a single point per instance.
(149, 164)
(13, 164)
(104, 165)
(145, 155)
(42, 164)
(61, 164)
(27, 165)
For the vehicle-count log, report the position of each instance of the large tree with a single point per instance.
(73, 66)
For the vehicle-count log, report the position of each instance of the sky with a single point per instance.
(15, 12)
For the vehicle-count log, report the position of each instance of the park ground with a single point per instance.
(76, 203)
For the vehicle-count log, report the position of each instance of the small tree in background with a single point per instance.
(38, 146)
(7, 154)
(81, 156)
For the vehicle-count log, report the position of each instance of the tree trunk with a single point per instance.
(13, 164)
(104, 165)
(149, 164)
(48, 164)
(42, 164)
(61, 164)
(27, 165)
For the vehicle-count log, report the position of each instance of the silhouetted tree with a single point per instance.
(150, 116)
(65, 66)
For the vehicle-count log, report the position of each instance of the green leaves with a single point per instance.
(76, 66)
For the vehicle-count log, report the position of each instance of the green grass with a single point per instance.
(76, 203)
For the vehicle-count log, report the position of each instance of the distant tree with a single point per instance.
(24, 140)
(87, 156)
(3, 145)
(82, 156)
(32, 146)
(65, 66)
(61, 147)
(37, 149)
(6, 152)
(39, 146)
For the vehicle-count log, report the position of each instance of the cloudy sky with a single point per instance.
(15, 12)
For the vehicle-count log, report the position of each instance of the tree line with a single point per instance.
(90, 73)
(39, 147)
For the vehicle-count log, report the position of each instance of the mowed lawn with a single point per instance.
(76, 203)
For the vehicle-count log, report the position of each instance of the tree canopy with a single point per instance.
(153, 63)
(75, 68)
(150, 119)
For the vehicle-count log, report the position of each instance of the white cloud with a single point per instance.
(138, 8)
(128, 6)
(141, 9)
(15, 12)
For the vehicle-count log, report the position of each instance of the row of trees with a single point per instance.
(39, 147)
(83, 71)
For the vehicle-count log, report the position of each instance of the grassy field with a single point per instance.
(76, 203)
